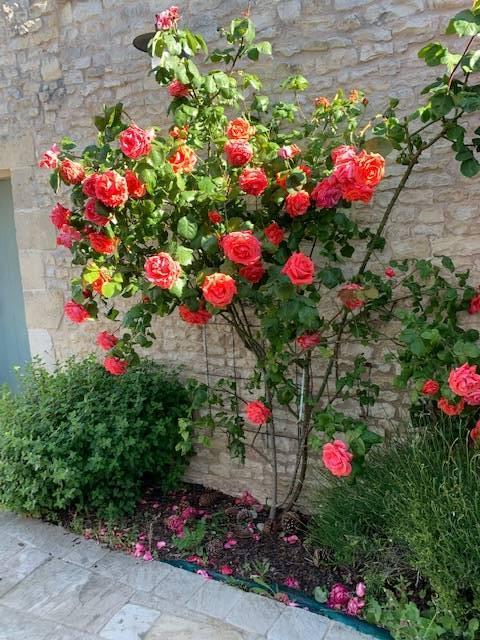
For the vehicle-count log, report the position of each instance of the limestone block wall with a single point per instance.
(61, 59)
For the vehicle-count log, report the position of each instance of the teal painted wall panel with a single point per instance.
(14, 348)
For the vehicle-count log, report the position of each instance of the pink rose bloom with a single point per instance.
(474, 306)
(115, 366)
(337, 458)
(67, 236)
(354, 606)
(161, 544)
(241, 247)
(293, 539)
(135, 142)
(246, 499)
(309, 340)
(225, 570)
(49, 159)
(162, 270)
(230, 543)
(343, 153)
(106, 341)
(288, 152)
(71, 172)
(464, 380)
(89, 184)
(291, 582)
(204, 574)
(178, 90)
(139, 550)
(253, 272)
(389, 272)
(59, 215)
(327, 193)
(167, 19)
(90, 213)
(430, 388)
(338, 596)
(258, 413)
(175, 524)
(75, 312)
(148, 556)
(360, 589)
(238, 152)
(351, 296)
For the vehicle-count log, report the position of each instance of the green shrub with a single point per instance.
(417, 507)
(81, 439)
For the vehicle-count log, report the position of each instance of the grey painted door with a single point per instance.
(14, 349)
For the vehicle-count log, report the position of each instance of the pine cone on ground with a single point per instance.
(183, 504)
(208, 499)
(289, 522)
(214, 548)
(232, 513)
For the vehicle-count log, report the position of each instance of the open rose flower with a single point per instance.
(219, 289)
(135, 142)
(288, 152)
(297, 203)
(354, 606)
(351, 296)
(327, 193)
(475, 432)
(338, 597)
(67, 235)
(226, 570)
(241, 247)
(167, 19)
(321, 101)
(71, 172)
(253, 272)
(389, 272)
(115, 366)
(474, 305)
(102, 243)
(201, 316)
(337, 458)
(253, 181)
(111, 189)
(238, 152)
(75, 312)
(430, 388)
(49, 159)
(183, 160)
(274, 234)
(357, 193)
(106, 340)
(178, 90)
(136, 188)
(215, 217)
(162, 270)
(451, 409)
(299, 268)
(464, 380)
(90, 213)
(369, 169)
(309, 340)
(89, 185)
(257, 413)
(240, 129)
(59, 215)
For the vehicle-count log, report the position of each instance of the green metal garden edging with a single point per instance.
(299, 597)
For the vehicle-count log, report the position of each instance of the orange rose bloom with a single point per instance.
(240, 129)
(369, 169)
(219, 289)
(183, 160)
(337, 458)
(451, 409)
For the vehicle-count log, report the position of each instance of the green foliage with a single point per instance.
(416, 507)
(192, 538)
(80, 439)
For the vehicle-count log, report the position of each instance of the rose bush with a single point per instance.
(249, 218)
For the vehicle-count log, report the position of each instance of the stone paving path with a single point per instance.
(56, 586)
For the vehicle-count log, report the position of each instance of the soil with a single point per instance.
(220, 533)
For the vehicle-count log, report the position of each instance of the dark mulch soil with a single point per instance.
(235, 537)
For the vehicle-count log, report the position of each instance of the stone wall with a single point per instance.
(61, 59)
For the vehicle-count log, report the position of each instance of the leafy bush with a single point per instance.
(81, 439)
(417, 507)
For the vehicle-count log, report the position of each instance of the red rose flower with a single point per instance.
(253, 181)
(475, 432)
(49, 159)
(102, 243)
(369, 169)
(215, 217)
(219, 289)
(167, 19)
(351, 295)
(451, 409)
(327, 193)
(464, 380)
(240, 129)
(178, 90)
(111, 189)
(59, 215)
(75, 312)
(306, 169)
(321, 101)
(106, 341)
(281, 179)
(430, 387)
(67, 236)
(357, 193)
(201, 316)
(115, 366)
(89, 184)
(90, 213)
(474, 306)
(299, 268)
(238, 152)
(253, 272)
(309, 340)
(136, 188)
(135, 142)
(71, 172)
(257, 413)
(162, 270)
(337, 458)
(241, 247)
(296, 204)
(389, 272)
(183, 160)
(274, 233)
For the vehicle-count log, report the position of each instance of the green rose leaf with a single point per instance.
(465, 23)
(187, 228)
(184, 255)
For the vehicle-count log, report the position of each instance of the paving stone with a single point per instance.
(169, 627)
(215, 599)
(18, 565)
(151, 601)
(179, 586)
(65, 592)
(18, 625)
(85, 553)
(342, 632)
(138, 574)
(47, 537)
(255, 613)
(298, 624)
(6, 518)
(130, 623)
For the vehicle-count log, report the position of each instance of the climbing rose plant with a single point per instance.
(242, 210)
